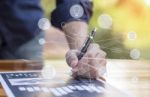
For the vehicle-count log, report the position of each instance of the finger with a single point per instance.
(89, 55)
(101, 54)
(83, 61)
(95, 62)
(100, 57)
(71, 58)
(96, 48)
(103, 63)
(92, 50)
(93, 46)
(102, 71)
(82, 65)
(89, 58)
(99, 67)
(102, 68)
(89, 73)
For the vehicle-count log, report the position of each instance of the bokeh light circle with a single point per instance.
(48, 71)
(132, 35)
(105, 21)
(44, 24)
(135, 54)
(76, 11)
(42, 41)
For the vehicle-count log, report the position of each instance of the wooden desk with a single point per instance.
(127, 75)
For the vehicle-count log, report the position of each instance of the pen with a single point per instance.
(87, 44)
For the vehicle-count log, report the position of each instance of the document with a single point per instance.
(33, 84)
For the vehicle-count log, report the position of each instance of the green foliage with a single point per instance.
(111, 41)
(112, 44)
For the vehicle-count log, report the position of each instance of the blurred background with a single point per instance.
(123, 29)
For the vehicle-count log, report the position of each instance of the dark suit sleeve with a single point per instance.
(62, 13)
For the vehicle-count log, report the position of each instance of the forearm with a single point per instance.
(76, 33)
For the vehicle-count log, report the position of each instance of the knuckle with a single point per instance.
(102, 53)
(84, 60)
(96, 45)
(71, 53)
(90, 54)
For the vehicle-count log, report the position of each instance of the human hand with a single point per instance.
(91, 65)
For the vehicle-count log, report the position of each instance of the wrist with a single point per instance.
(76, 33)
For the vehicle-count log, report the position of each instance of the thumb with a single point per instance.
(71, 58)
(74, 63)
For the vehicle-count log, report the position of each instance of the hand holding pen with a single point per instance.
(90, 61)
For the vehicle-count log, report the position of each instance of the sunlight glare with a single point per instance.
(147, 2)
